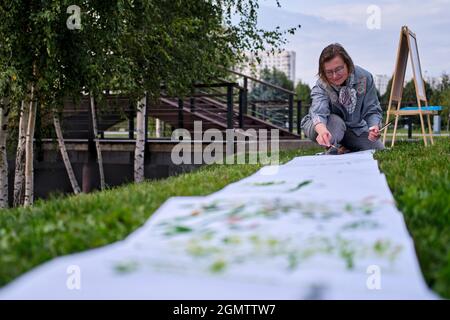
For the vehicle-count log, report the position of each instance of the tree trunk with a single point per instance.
(140, 142)
(4, 111)
(158, 128)
(29, 144)
(97, 144)
(19, 177)
(64, 155)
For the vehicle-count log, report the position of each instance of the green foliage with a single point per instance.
(444, 101)
(409, 93)
(129, 45)
(303, 92)
(275, 77)
(439, 96)
(269, 95)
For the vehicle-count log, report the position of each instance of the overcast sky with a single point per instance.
(345, 21)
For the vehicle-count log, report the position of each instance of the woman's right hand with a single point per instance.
(323, 135)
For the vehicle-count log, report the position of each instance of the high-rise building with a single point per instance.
(284, 61)
(381, 82)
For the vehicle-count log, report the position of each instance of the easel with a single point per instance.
(408, 44)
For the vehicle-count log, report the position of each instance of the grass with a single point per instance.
(60, 226)
(418, 178)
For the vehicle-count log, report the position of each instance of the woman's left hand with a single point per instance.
(374, 133)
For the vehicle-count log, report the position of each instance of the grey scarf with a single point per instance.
(347, 94)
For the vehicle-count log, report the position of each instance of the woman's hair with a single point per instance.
(331, 51)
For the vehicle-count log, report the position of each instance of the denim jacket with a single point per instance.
(325, 100)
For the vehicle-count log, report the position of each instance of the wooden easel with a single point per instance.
(408, 44)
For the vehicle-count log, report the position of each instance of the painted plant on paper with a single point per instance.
(224, 235)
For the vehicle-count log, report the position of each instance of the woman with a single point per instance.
(345, 114)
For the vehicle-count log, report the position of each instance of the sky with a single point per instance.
(371, 42)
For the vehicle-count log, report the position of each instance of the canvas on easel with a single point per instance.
(408, 45)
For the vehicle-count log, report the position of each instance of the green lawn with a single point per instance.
(419, 180)
(417, 176)
(30, 236)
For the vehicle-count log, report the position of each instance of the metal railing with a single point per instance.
(279, 112)
(226, 101)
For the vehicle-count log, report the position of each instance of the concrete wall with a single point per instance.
(118, 158)
(51, 177)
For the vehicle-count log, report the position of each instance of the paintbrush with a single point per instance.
(385, 126)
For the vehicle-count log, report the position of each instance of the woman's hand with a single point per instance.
(374, 133)
(323, 135)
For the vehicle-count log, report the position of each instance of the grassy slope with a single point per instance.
(30, 236)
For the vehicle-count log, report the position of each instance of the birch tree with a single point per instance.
(158, 128)
(62, 148)
(139, 159)
(9, 93)
(97, 143)
(29, 154)
(19, 176)
(4, 112)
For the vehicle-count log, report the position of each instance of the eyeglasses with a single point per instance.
(338, 71)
